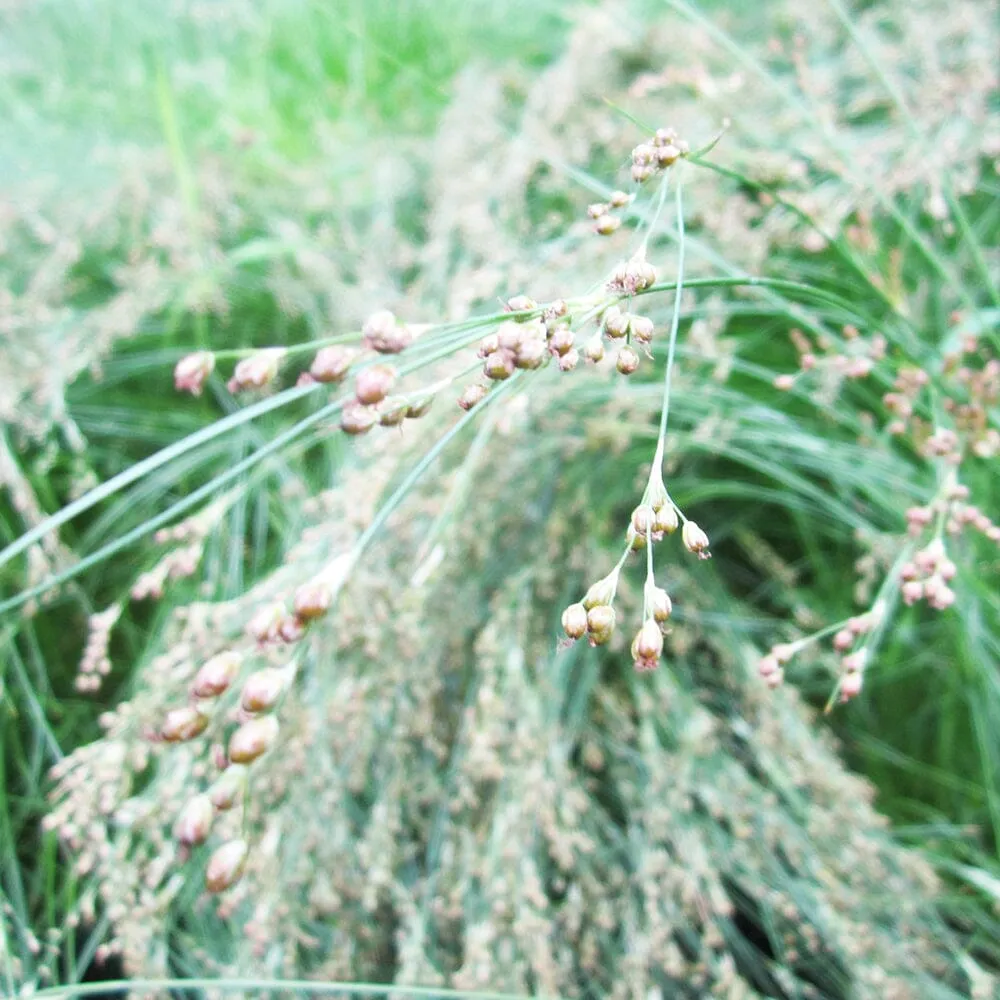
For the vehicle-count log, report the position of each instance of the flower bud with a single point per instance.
(600, 624)
(854, 662)
(784, 382)
(615, 323)
(597, 209)
(499, 366)
(290, 629)
(312, 600)
(665, 522)
(659, 604)
(373, 384)
(228, 787)
(574, 621)
(601, 592)
(642, 519)
(619, 199)
(607, 224)
(556, 309)
(562, 340)
(253, 739)
(912, 591)
(192, 370)
(183, 724)
(695, 540)
(569, 360)
(356, 419)
(594, 350)
(195, 821)
(648, 642)
(634, 540)
(216, 674)
(472, 395)
(850, 685)
(262, 689)
(768, 666)
(226, 866)
(627, 361)
(509, 336)
(331, 363)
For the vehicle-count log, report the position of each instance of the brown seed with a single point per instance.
(226, 866)
(373, 384)
(216, 674)
(627, 361)
(695, 540)
(183, 724)
(417, 410)
(575, 621)
(253, 739)
(331, 363)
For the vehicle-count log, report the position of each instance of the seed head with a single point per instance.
(392, 411)
(619, 199)
(195, 821)
(373, 384)
(659, 604)
(228, 788)
(854, 662)
(260, 369)
(420, 409)
(226, 866)
(912, 591)
(695, 540)
(489, 344)
(574, 621)
(383, 334)
(642, 329)
(520, 303)
(601, 592)
(850, 685)
(472, 395)
(615, 323)
(642, 519)
(600, 624)
(312, 600)
(183, 724)
(768, 665)
(648, 642)
(331, 363)
(569, 360)
(192, 370)
(627, 361)
(499, 365)
(532, 354)
(555, 310)
(262, 690)
(509, 336)
(357, 419)
(562, 340)
(607, 224)
(666, 520)
(597, 209)
(216, 674)
(635, 541)
(594, 349)
(253, 739)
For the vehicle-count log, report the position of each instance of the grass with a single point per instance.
(263, 223)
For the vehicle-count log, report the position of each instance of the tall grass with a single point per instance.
(456, 789)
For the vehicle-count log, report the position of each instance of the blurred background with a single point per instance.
(459, 802)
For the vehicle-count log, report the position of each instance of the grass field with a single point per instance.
(453, 794)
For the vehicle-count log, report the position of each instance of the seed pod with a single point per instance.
(597, 209)
(489, 344)
(574, 621)
(383, 334)
(290, 629)
(619, 199)
(392, 412)
(601, 592)
(253, 739)
(216, 674)
(594, 350)
(228, 787)
(373, 384)
(331, 363)
(569, 360)
(562, 340)
(850, 686)
(615, 323)
(312, 600)
(262, 689)
(195, 821)
(648, 642)
(768, 665)
(183, 724)
(627, 361)
(667, 155)
(659, 604)
(509, 336)
(607, 224)
(499, 366)
(226, 866)
(472, 395)
(357, 419)
(417, 410)
(192, 370)
(532, 354)
(854, 662)
(642, 519)
(695, 540)
(666, 520)
(634, 540)
(600, 624)
(642, 329)
(521, 303)
(260, 369)
(556, 309)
